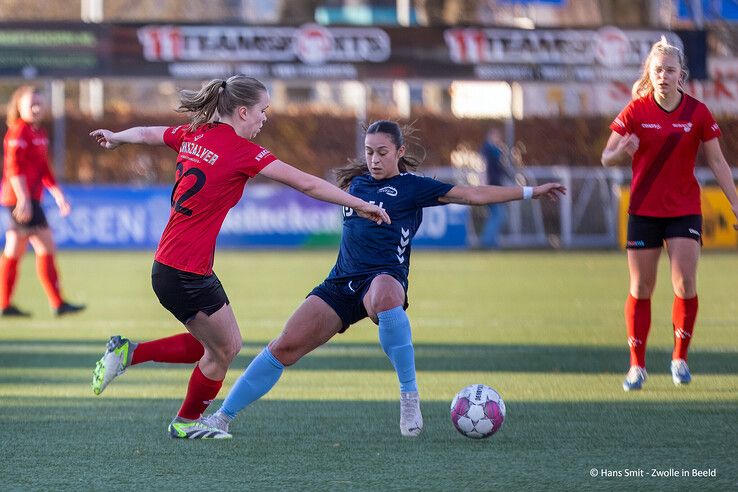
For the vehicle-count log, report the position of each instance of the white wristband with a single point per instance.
(527, 192)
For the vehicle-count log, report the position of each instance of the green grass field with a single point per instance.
(544, 329)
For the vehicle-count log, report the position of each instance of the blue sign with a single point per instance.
(711, 10)
(120, 217)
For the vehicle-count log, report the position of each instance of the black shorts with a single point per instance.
(184, 294)
(38, 219)
(346, 297)
(650, 232)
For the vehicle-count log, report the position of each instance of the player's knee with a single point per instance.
(641, 290)
(223, 355)
(284, 353)
(384, 302)
(232, 350)
(685, 288)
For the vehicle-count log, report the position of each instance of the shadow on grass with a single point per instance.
(317, 444)
(429, 357)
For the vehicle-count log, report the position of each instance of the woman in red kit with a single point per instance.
(660, 131)
(216, 158)
(26, 173)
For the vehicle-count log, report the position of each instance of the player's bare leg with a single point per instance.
(642, 267)
(313, 324)
(684, 255)
(384, 303)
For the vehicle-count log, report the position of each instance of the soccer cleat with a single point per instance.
(67, 308)
(680, 372)
(112, 364)
(218, 420)
(13, 311)
(195, 429)
(635, 378)
(411, 420)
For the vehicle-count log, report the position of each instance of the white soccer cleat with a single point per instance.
(218, 420)
(411, 420)
(112, 364)
(635, 378)
(680, 372)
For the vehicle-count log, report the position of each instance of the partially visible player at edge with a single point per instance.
(660, 131)
(26, 172)
(370, 277)
(215, 160)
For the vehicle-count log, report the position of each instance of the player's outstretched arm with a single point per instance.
(150, 135)
(322, 190)
(723, 176)
(485, 195)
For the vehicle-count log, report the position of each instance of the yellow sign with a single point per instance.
(717, 219)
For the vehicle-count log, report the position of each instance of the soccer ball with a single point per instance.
(477, 411)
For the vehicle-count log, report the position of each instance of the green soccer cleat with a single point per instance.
(195, 429)
(113, 363)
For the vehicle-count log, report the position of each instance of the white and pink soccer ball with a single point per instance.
(477, 411)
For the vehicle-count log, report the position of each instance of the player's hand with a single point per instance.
(373, 213)
(629, 144)
(551, 191)
(104, 138)
(64, 207)
(23, 211)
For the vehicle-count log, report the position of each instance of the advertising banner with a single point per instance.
(317, 52)
(717, 219)
(115, 217)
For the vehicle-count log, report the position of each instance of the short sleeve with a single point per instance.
(623, 123)
(429, 190)
(174, 135)
(710, 128)
(16, 146)
(255, 159)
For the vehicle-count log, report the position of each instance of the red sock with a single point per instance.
(683, 316)
(46, 270)
(638, 324)
(8, 271)
(200, 393)
(178, 349)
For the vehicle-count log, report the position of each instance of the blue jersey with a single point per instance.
(368, 248)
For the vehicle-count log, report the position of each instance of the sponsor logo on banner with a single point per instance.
(608, 46)
(310, 43)
(117, 217)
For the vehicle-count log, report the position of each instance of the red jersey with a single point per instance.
(213, 166)
(26, 151)
(663, 183)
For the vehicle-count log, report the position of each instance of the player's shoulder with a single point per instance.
(18, 134)
(639, 104)
(411, 178)
(181, 130)
(700, 107)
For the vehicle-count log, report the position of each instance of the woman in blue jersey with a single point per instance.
(370, 275)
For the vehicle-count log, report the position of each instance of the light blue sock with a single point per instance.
(396, 341)
(258, 378)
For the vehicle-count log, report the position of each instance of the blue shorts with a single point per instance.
(346, 297)
(650, 232)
